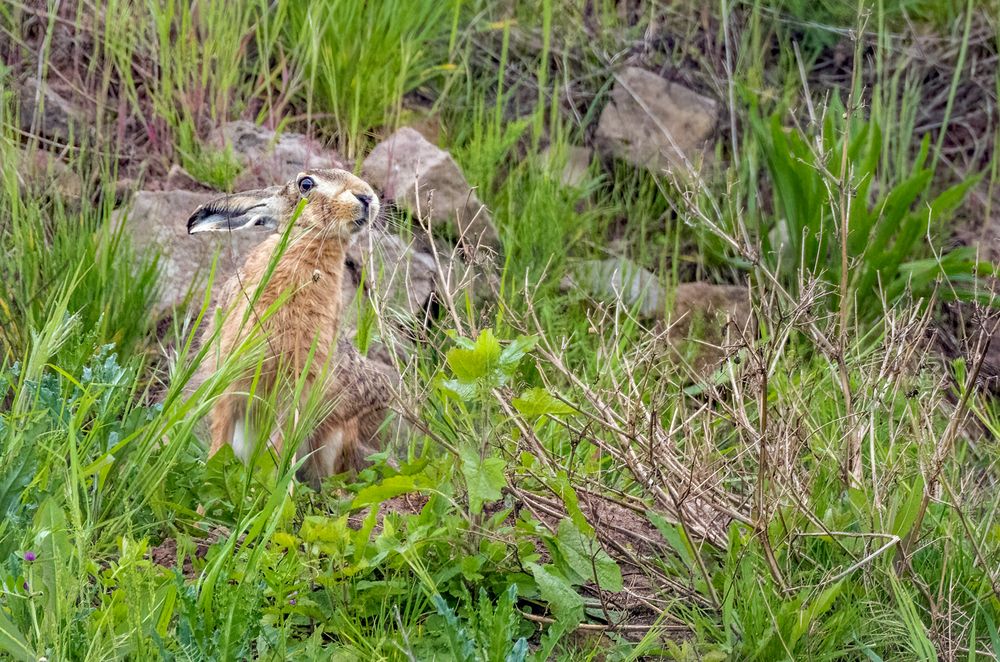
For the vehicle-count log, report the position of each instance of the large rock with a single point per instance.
(157, 220)
(421, 177)
(655, 124)
(45, 112)
(268, 158)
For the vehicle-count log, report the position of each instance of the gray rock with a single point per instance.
(269, 158)
(655, 124)
(45, 112)
(157, 221)
(572, 165)
(425, 179)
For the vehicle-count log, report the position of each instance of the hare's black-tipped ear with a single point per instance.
(262, 209)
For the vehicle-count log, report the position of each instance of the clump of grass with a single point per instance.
(358, 60)
(45, 248)
(217, 168)
(833, 181)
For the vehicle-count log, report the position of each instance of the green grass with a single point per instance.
(827, 493)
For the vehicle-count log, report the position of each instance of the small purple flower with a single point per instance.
(29, 556)
(26, 587)
(292, 602)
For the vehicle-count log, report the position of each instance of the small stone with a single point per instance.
(707, 322)
(617, 279)
(47, 113)
(424, 179)
(41, 172)
(654, 123)
(572, 164)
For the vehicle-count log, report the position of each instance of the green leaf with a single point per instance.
(586, 556)
(461, 341)
(463, 391)
(387, 489)
(54, 550)
(815, 610)
(13, 642)
(949, 199)
(907, 515)
(470, 365)
(538, 402)
(484, 479)
(565, 603)
(328, 535)
(561, 485)
(991, 626)
(455, 634)
(515, 351)
(675, 537)
(920, 643)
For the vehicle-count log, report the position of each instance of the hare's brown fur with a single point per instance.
(299, 337)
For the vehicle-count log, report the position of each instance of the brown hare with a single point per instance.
(300, 335)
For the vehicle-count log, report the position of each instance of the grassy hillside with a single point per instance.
(580, 480)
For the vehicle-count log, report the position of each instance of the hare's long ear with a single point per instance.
(263, 209)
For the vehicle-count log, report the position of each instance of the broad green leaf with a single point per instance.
(586, 556)
(565, 603)
(484, 479)
(54, 550)
(472, 364)
(538, 402)
(463, 391)
(461, 341)
(328, 535)
(515, 351)
(363, 535)
(461, 645)
(949, 199)
(815, 609)
(674, 536)
(13, 642)
(387, 489)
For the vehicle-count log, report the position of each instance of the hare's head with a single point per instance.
(337, 204)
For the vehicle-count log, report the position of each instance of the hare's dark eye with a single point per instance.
(306, 184)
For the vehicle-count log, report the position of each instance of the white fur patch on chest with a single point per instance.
(242, 442)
